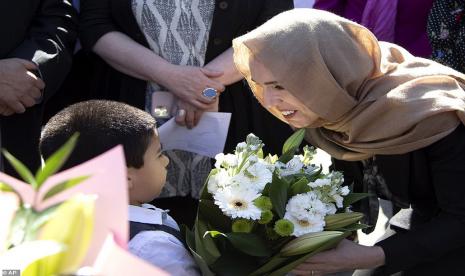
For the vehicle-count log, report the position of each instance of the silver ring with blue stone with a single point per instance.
(210, 93)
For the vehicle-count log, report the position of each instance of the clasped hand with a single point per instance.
(19, 87)
(187, 84)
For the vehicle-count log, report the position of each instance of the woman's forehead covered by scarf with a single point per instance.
(319, 57)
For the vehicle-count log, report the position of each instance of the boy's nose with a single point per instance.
(167, 160)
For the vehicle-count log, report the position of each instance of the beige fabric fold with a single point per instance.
(374, 97)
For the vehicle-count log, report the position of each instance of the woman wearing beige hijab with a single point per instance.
(361, 99)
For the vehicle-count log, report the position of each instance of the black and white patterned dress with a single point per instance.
(177, 31)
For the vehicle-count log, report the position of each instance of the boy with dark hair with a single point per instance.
(103, 125)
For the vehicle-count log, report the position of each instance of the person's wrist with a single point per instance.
(164, 74)
(377, 256)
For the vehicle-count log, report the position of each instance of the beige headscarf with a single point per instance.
(374, 97)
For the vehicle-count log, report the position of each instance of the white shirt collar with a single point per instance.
(146, 213)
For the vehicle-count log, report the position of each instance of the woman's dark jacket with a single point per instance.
(432, 180)
(231, 19)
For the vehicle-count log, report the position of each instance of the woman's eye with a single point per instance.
(279, 87)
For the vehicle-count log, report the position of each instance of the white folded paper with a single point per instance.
(207, 138)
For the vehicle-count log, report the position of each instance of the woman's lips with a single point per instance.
(288, 113)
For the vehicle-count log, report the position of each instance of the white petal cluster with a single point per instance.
(307, 213)
(311, 224)
(219, 181)
(238, 203)
(329, 189)
(294, 166)
(225, 160)
(240, 178)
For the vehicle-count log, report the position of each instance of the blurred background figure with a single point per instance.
(38, 39)
(446, 31)
(389, 20)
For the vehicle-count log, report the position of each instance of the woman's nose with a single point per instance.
(271, 98)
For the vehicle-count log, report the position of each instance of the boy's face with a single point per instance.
(146, 183)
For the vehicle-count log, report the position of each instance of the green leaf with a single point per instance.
(287, 156)
(249, 243)
(210, 246)
(278, 194)
(18, 227)
(234, 263)
(215, 234)
(354, 197)
(300, 187)
(65, 185)
(294, 141)
(355, 227)
(271, 264)
(190, 241)
(204, 194)
(57, 160)
(211, 213)
(41, 218)
(202, 243)
(21, 169)
(294, 262)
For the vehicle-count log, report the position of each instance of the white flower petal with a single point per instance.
(238, 203)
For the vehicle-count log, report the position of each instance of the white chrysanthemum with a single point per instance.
(339, 200)
(294, 166)
(255, 176)
(241, 147)
(320, 183)
(219, 181)
(311, 169)
(304, 206)
(238, 203)
(228, 160)
(219, 160)
(344, 190)
(311, 224)
(330, 209)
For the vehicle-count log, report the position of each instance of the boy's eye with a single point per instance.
(278, 87)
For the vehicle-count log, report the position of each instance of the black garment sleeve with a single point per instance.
(274, 7)
(95, 21)
(50, 42)
(445, 232)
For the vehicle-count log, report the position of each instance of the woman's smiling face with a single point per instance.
(280, 101)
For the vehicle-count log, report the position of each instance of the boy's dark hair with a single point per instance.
(102, 125)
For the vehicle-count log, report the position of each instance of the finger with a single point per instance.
(16, 106)
(34, 93)
(29, 65)
(27, 101)
(301, 272)
(202, 103)
(211, 73)
(38, 83)
(8, 112)
(190, 117)
(198, 115)
(181, 117)
(215, 85)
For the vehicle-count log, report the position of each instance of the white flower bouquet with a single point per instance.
(265, 215)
